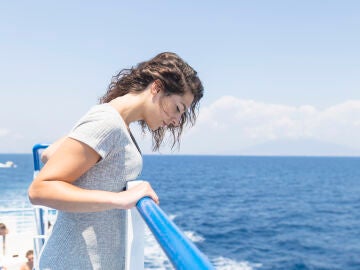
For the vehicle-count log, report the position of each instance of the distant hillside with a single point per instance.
(300, 148)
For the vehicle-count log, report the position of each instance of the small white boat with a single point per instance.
(8, 164)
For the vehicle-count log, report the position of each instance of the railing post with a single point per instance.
(135, 237)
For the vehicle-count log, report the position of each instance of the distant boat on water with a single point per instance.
(8, 164)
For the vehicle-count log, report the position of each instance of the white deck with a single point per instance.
(19, 239)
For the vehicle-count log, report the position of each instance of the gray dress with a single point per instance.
(96, 240)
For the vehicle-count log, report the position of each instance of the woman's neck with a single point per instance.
(130, 107)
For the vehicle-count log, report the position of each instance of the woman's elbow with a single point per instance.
(33, 194)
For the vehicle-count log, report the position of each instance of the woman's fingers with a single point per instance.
(139, 191)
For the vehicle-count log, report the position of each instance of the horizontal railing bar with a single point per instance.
(182, 253)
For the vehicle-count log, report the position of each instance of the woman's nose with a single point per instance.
(176, 119)
(174, 122)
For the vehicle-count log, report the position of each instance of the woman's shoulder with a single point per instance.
(101, 128)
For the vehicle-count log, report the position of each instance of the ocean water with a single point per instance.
(246, 212)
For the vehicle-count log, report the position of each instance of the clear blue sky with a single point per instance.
(273, 71)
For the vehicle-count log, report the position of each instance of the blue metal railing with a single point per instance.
(182, 253)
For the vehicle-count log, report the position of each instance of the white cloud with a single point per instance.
(4, 132)
(231, 124)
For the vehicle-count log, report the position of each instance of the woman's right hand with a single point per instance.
(129, 198)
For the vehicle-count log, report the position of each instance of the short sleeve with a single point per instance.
(99, 129)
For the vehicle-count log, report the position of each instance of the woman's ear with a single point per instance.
(156, 86)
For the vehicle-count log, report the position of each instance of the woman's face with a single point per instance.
(169, 109)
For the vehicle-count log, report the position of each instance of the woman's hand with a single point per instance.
(128, 199)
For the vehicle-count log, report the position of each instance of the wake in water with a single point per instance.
(155, 257)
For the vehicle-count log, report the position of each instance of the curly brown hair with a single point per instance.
(176, 76)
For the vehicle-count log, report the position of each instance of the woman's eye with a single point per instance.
(177, 108)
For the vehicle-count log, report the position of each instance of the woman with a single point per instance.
(86, 175)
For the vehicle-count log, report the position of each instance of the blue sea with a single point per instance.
(246, 212)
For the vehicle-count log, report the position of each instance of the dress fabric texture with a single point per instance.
(96, 240)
